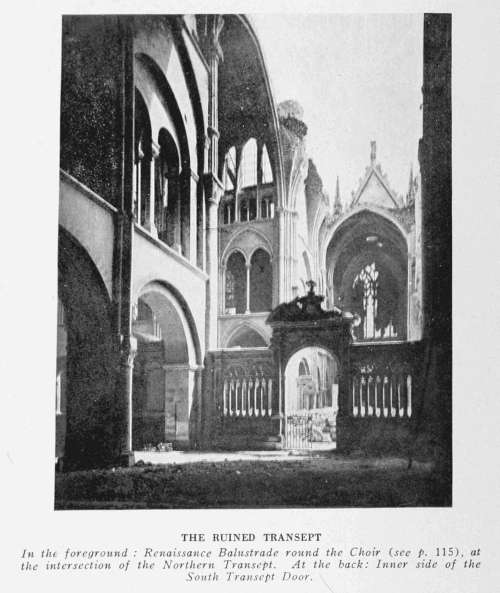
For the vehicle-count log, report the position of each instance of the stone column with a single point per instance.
(248, 266)
(212, 184)
(127, 356)
(212, 264)
(151, 224)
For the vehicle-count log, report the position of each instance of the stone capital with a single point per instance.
(213, 188)
(128, 351)
(211, 132)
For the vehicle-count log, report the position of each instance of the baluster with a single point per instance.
(409, 394)
(231, 396)
(270, 397)
(224, 398)
(257, 395)
(243, 397)
(238, 397)
(385, 396)
(370, 395)
(378, 396)
(401, 410)
(251, 397)
(362, 393)
(263, 395)
(392, 397)
(404, 395)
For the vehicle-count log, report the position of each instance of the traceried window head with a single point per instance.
(375, 299)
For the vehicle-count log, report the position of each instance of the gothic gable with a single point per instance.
(374, 191)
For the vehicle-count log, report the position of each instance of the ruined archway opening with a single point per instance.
(164, 374)
(87, 414)
(367, 269)
(311, 399)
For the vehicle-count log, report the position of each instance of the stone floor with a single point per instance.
(181, 457)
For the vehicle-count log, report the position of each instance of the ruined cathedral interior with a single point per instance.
(193, 226)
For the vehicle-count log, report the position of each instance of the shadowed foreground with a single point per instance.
(306, 482)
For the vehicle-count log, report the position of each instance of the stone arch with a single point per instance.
(261, 281)
(166, 369)
(354, 212)
(315, 389)
(172, 117)
(246, 335)
(92, 415)
(256, 239)
(235, 282)
(367, 262)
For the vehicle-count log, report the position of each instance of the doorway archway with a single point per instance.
(311, 399)
(166, 378)
(87, 358)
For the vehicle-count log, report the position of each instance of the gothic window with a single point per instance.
(229, 173)
(244, 210)
(167, 203)
(236, 284)
(260, 282)
(365, 287)
(267, 172)
(228, 211)
(376, 300)
(248, 164)
(303, 368)
(252, 208)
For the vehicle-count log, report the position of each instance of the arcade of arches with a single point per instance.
(248, 285)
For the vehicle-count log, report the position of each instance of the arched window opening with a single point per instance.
(229, 173)
(266, 207)
(303, 368)
(252, 208)
(228, 217)
(261, 287)
(236, 284)
(376, 300)
(367, 275)
(168, 206)
(146, 325)
(247, 338)
(248, 164)
(267, 172)
(142, 160)
(244, 211)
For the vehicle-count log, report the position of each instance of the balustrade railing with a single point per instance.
(247, 393)
(383, 380)
(243, 385)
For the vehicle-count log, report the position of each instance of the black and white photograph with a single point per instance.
(254, 263)
(249, 278)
